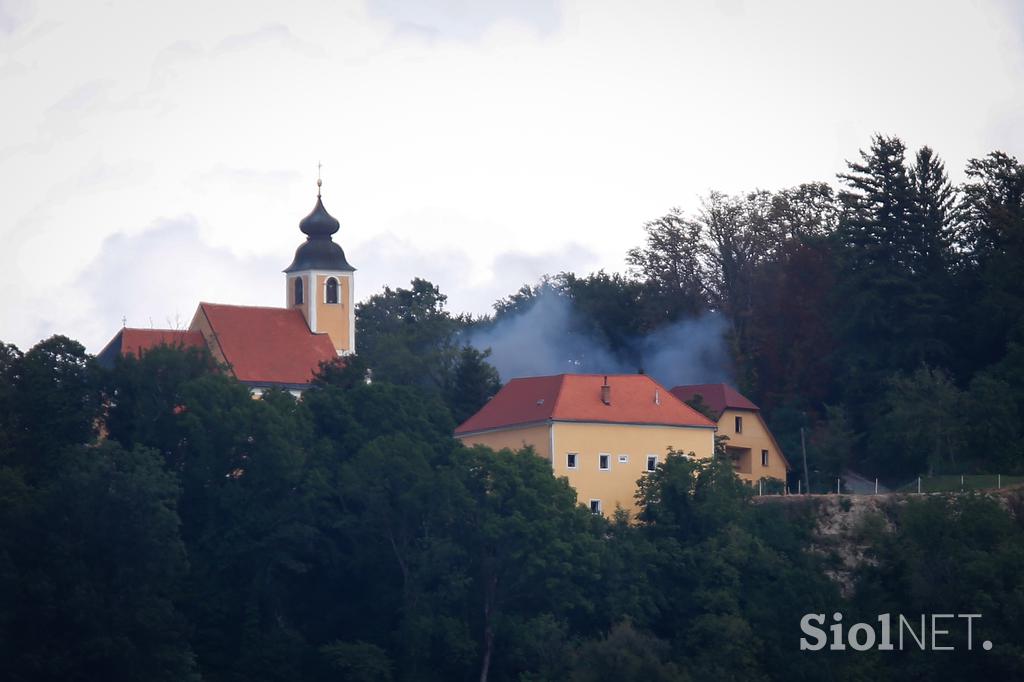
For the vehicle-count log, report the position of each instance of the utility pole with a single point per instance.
(803, 447)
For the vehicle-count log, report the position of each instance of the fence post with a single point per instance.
(961, 482)
(918, 485)
(799, 487)
(876, 486)
(837, 487)
(760, 487)
(999, 480)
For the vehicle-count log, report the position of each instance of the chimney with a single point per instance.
(606, 392)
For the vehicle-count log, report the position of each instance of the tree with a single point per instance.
(892, 319)
(10, 366)
(528, 546)
(100, 564)
(697, 403)
(56, 400)
(405, 335)
(992, 417)
(626, 654)
(935, 199)
(833, 445)
(408, 338)
(673, 266)
(472, 384)
(949, 554)
(991, 269)
(806, 213)
(145, 395)
(726, 572)
(921, 426)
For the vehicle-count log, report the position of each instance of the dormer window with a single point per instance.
(298, 291)
(331, 295)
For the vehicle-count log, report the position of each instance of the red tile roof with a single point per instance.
(635, 399)
(129, 341)
(267, 346)
(718, 397)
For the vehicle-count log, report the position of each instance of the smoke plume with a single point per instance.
(549, 337)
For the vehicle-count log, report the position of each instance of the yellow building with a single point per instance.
(603, 433)
(754, 451)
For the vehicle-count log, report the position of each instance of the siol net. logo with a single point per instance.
(932, 632)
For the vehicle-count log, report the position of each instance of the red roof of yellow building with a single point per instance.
(632, 399)
(718, 397)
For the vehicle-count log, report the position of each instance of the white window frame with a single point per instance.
(573, 463)
(738, 423)
(764, 458)
(623, 459)
(651, 459)
(606, 458)
(599, 509)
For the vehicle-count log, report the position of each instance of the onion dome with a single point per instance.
(319, 252)
(319, 223)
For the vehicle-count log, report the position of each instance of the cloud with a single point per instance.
(472, 285)
(274, 34)
(485, 149)
(14, 14)
(465, 20)
(158, 277)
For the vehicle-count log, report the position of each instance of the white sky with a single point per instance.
(155, 154)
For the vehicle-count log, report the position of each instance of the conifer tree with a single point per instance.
(888, 316)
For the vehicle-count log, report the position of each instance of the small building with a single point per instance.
(754, 450)
(272, 347)
(603, 433)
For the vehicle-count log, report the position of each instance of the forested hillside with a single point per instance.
(349, 537)
(158, 523)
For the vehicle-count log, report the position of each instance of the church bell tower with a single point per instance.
(320, 281)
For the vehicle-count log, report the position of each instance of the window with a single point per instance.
(603, 462)
(652, 462)
(739, 424)
(298, 291)
(623, 459)
(764, 458)
(595, 506)
(570, 460)
(332, 291)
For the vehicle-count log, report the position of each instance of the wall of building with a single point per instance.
(538, 435)
(336, 319)
(201, 324)
(755, 437)
(289, 294)
(617, 485)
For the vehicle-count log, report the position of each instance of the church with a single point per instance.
(272, 347)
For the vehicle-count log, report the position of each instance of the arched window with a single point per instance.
(298, 291)
(332, 290)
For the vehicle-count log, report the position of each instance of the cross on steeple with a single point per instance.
(319, 182)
